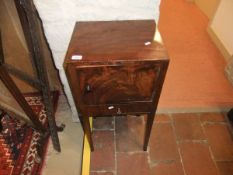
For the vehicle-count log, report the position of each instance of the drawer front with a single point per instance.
(103, 110)
(118, 83)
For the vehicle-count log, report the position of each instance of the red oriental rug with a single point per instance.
(18, 141)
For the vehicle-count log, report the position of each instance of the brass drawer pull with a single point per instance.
(118, 111)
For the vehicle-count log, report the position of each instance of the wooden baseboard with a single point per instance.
(218, 44)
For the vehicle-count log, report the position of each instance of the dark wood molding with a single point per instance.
(230, 116)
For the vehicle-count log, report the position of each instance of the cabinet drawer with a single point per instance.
(105, 110)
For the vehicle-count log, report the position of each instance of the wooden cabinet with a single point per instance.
(115, 68)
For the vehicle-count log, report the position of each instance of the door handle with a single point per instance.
(88, 89)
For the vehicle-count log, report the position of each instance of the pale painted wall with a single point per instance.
(208, 6)
(222, 24)
(59, 17)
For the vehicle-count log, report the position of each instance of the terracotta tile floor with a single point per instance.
(195, 79)
(180, 144)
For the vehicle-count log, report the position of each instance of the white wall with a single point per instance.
(59, 17)
(222, 24)
(207, 6)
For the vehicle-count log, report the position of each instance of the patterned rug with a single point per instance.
(18, 141)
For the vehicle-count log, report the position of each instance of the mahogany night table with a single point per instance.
(116, 68)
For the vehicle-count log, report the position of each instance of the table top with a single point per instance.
(115, 40)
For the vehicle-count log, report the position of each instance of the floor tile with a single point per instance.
(225, 168)
(103, 123)
(195, 75)
(212, 117)
(103, 157)
(220, 141)
(162, 143)
(132, 164)
(188, 127)
(162, 118)
(129, 133)
(101, 173)
(197, 159)
(167, 168)
(68, 161)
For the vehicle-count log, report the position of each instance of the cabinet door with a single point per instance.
(118, 83)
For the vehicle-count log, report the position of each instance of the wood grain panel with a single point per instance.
(118, 83)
